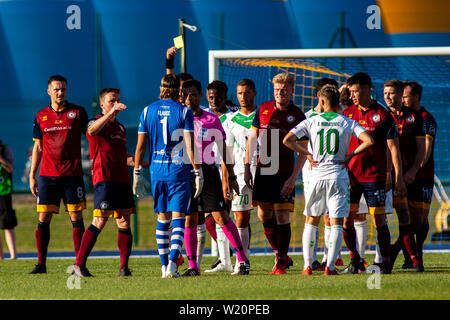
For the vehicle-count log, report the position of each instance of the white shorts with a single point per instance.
(243, 201)
(387, 204)
(332, 196)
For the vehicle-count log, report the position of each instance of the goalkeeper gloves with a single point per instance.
(139, 183)
(198, 181)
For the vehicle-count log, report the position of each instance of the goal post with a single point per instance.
(429, 66)
(216, 55)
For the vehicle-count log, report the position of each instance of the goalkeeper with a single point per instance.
(168, 129)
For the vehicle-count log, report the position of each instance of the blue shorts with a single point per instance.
(374, 193)
(113, 200)
(51, 190)
(171, 196)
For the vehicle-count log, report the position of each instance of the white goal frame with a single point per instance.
(215, 55)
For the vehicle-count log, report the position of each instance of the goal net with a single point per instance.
(429, 66)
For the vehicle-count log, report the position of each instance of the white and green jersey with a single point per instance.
(224, 120)
(238, 130)
(306, 170)
(329, 138)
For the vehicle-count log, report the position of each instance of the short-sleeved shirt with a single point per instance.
(329, 138)
(108, 150)
(429, 128)
(165, 122)
(224, 120)
(370, 166)
(238, 130)
(60, 132)
(267, 118)
(306, 170)
(409, 128)
(207, 129)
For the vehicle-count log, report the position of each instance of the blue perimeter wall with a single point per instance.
(133, 36)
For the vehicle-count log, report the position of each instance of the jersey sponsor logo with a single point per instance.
(160, 152)
(274, 121)
(376, 118)
(57, 128)
(118, 136)
(71, 115)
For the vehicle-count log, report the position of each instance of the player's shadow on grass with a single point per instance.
(427, 270)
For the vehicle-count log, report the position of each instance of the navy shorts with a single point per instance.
(374, 193)
(113, 199)
(51, 190)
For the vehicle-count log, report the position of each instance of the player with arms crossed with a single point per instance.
(209, 132)
(329, 135)
(113, 196)
(368, 171)
(165, 125)
(57, 143)
(277, 169)
(411, 144)
(420, 178)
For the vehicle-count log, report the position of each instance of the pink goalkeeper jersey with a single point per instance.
(207, 129)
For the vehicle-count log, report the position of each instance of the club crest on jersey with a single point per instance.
(376, 118)
(290, 118)
(71, 115)
(410, 119)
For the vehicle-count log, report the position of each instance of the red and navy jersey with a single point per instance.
(429, 128)
(409, 128)
(370, 166)
(269, 117)
(108, 150)
(60, 133)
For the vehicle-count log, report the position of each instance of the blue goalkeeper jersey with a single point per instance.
(165, 122)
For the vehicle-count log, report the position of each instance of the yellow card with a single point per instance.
(178, 42)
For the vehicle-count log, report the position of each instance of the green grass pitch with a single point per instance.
(146, 282)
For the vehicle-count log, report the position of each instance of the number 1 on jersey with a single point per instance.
(163, 121)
